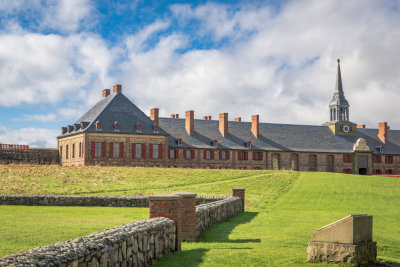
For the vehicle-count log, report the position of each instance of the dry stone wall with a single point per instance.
(216, 212)
(139, 243)
(89, 200)
(40, 156)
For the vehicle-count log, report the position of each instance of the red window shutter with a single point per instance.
(204, 154)
(160, 151)
(143, 150)
(121, 150)
(93, 149)
(350, 158)
(111, 149)
(151, 150)
(103, 149)
(184, 153)
(176, 153)
(220, 155)
(193, 155)
(246, 155)
(239, 155)
(133, 150)
(227, 154)
(261, 156)
(212, 154)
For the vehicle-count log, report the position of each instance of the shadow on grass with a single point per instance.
(219, 233)
(193, 257)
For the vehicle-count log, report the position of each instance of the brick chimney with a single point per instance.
(383, 128)
(207, 118)
(255, 124)
(238, 119)
(189, 122)
(223, 123)
(106, 92)
(154, 115)
(361, 126)
(117, 88)
(175, 116)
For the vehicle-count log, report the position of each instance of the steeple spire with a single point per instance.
(339, 86)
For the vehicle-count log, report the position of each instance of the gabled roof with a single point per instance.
(274, 137)
(116, 108)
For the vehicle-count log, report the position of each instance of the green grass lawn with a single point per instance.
(283, 208)
(25, 227)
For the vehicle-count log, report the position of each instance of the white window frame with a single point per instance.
(155, 151)
(116, 150)
(223, 155)
(138, 152)
(97, 149)
(208, 154)
(172, 154)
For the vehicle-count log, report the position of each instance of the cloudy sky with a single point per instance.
(273, 58)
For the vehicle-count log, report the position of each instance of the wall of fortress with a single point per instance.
(38, 156)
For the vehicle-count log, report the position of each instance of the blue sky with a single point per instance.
(273, 58)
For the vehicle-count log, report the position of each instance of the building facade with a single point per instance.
(115, 132)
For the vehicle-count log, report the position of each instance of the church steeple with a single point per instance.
(339, 110)
(339, 107)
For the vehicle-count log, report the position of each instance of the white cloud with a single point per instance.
(37, 117)
(34, 137)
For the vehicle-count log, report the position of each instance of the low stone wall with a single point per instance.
(215, 212)
(71, 200)
(38, 156)
(139, 243)
(88, 200)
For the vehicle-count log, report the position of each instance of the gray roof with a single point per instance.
(274, 137)
(113, 108)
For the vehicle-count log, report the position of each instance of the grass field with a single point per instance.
(283, 208)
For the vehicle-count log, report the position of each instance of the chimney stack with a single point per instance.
(255, 124)
(361, 126)
(238, 119)
(207, 118)
(189, 122)
(175, 116)
(117, 88)
(383, 128)
(106, 92)
(223, 123)
(154, 115)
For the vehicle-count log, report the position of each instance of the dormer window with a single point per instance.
(214, 143)
(138, 127)
(63, 130)
(69, 128)
(99, 126)
(379, 149)
(76, 127)
(248, 144)
(179, 141)
(116, 126)
(155, 127)
(82, 125)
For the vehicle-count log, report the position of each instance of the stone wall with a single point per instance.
(80, 200)
(40, 156)
(139, 243)
(215, 212)
(89, 200)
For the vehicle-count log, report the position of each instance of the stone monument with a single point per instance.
(346, 240)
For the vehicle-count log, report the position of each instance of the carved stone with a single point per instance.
(361, 145)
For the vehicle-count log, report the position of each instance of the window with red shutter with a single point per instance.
(143, 151)
(93, 149)
(204, 154)
(344, 158)
(254, 155)
(133, 150)
(228, 154)
(184, 154)
(121, 150)
(160, 151)
(246, 155)
(151, 150)
(262, 155)
(176, 154)
(103, 149)
(193, 155)
(212, 154)
(239, 155)
(111, 149)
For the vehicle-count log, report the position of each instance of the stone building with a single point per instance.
(115, 132)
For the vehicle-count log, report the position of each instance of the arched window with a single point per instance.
(116, 126)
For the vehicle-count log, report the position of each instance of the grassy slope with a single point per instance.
(277, 235)
(282, 212)
(24, 227)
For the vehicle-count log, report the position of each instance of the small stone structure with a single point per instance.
(173, 218)
(346, 240)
